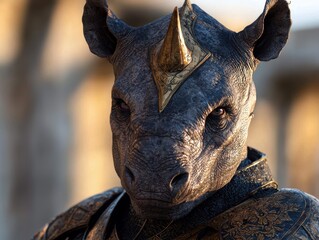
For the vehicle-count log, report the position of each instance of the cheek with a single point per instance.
(120, 143)
(226, 168)
(231, 155)
(120, 128)
(116, 156)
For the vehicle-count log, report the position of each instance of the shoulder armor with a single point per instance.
(278, 216)
(78, 216)
(310, 227)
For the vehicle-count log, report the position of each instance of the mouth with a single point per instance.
(160, 209)
(153, 202)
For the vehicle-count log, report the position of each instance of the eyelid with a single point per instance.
(222, 102)
(118, 93)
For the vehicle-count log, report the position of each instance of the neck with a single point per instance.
(134, 227)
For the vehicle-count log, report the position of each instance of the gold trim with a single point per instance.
(262, 159)
(272, 183)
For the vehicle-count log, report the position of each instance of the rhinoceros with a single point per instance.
(182, 102)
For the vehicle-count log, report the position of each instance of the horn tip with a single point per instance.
(176, 12)
(188, 4)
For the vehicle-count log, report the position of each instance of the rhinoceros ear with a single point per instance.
(102, 28)
(269, 33)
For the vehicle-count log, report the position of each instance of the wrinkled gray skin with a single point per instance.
(170, 162)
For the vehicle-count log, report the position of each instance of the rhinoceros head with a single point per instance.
(183, 99)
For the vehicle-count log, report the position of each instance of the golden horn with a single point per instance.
(174, 55)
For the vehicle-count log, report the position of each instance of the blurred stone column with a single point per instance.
(43, 78)
(39, 127)
(4, 163)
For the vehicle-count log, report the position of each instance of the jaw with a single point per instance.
(160, 210)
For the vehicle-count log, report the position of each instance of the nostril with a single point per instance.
(178, 181)
(129, 175)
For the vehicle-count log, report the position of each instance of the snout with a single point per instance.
(157, 172)
(162, 186)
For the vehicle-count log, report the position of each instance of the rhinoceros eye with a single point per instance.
(217, 119)
(122, 108)
(219, 112)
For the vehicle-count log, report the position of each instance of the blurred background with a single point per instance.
(55, 141)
